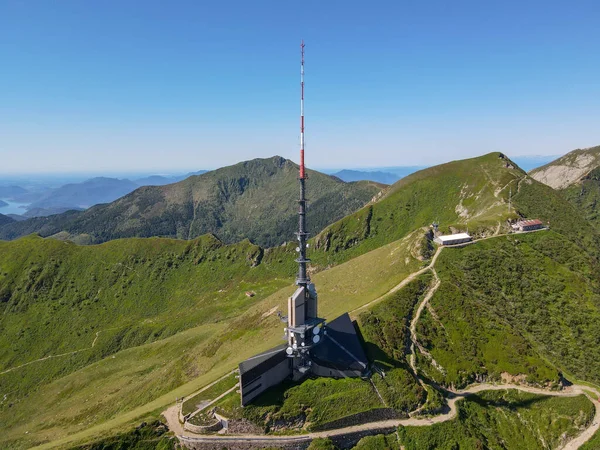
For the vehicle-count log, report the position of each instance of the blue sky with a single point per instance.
(183, 85)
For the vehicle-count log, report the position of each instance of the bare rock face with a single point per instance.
(568, 169)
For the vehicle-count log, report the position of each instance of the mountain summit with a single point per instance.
(253, 199)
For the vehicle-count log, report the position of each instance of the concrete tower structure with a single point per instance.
(303, 326)
(333, 350)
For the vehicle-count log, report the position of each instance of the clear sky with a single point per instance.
(119, 85)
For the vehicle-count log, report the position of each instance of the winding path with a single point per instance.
(172, 414)
(54, 356)
(571, 391)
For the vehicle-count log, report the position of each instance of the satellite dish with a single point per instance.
(316, 339)
(316, 330)
(289, 350)
(302, 344)
(297, 249)
(295, 346)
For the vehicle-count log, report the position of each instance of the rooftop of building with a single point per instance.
(454, 237)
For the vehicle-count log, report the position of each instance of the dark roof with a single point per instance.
(341, 348)
(257, 360)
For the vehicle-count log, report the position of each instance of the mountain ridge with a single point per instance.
(576, 176)
(252, 199)
(568, 169)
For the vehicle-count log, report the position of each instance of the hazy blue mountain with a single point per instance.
(83, 195)
(3, 204)
(11, 191)
(154, 180)
(45, 212)
(359, 175)
(161, 180)
(16, 217)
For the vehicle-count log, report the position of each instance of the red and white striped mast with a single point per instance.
(302, 279)
(302, 172)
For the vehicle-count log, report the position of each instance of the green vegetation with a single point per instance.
(202, 419)
(386, 332)
(309, 405)
(576, 176)
(92, 391)
(59, 298)
(144, 437)
(509, 305)
(5, 219)
(535, 200)
(255, 199)
(472, 192)
(192, 403)
(149, 320)
(322, 444)
(504, 419)
(386, 326)
(378, 442)
(593, 443)
(585, 196)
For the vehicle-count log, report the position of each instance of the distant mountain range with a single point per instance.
(11, 191)
(359, 175)
(86, 194)
(81, 195)
(253, 199)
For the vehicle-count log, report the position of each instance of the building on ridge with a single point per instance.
(453, 239)
(528, 225)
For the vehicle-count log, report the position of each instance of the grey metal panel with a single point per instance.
(271, 376)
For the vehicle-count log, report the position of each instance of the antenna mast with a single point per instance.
(302, 279)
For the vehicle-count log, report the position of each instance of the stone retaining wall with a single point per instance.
(343, 441)
(200, 429)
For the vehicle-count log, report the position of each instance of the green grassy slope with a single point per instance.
(97, 389)
(585, 196)
(254, 199)
(152, 436)
(510, 304)
(57, 296)
(174, 314)
(471, 193)
(313, 403)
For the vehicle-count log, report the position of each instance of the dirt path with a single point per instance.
(593, 428)
(400, 285)
(172, 414)
(571, 391)
(413, 330)
(54, 356)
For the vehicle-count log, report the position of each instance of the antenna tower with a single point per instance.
(302, 279)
